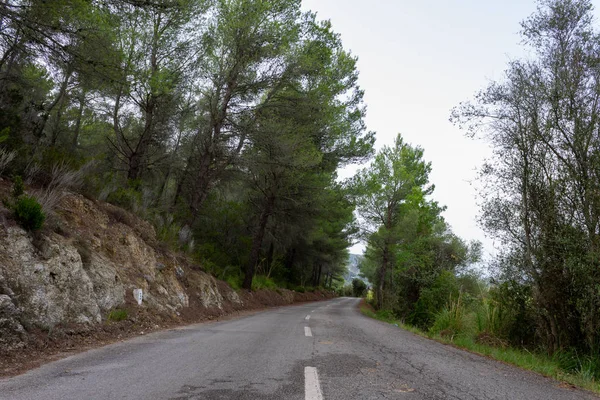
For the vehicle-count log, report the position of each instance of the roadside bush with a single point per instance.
(454, 320)
(516, 301)
(28, 212)
(348, 291)
(262, 282)
(492, 318)
(432, 300)
(585, 365)
(386, 315)
(358, 287)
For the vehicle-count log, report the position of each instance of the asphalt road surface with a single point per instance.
(315, 351)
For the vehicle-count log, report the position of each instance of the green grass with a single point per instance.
(235, 282)
(540, 363)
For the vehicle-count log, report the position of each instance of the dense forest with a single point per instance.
(222, 122)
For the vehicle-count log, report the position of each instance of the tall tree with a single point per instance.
(380, 191)
(543, 181)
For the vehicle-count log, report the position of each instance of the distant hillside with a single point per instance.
(353, 271)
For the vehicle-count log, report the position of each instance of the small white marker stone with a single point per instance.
(138, 295)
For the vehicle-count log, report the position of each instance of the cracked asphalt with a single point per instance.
(263, 357)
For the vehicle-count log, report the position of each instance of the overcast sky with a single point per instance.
(418, 59)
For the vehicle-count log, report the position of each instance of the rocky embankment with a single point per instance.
(97, 273)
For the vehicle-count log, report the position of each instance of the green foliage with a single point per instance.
(235, 281)
(18, 187)
(117, 315)
(359, 287)
(454, 320)
(127, 198)
(547, 271)
(516, 314)
(262, 282)
(409, 245)
(348, 291)
(28, 212)
(4, 134)
(433, 299)
(494, 319)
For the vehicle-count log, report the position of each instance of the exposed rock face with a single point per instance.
(50, 286)
(100, 255)
(11, 330)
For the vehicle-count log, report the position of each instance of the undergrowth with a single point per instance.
(263, 282)
(117, 315)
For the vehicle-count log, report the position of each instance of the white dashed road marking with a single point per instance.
(312, 389)
(307, 331)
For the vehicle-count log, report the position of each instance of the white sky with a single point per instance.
(418, 59)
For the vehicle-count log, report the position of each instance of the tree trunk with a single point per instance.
(270, 259)
(382, 275)
(56, 126)
(202, 184)
(205, 176)
(75, 141)
(318, 282)
(137, 157)
(257, 240)
(61, 93)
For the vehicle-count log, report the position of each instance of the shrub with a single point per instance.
(358, 287)
(117, 315)
(572, 361)
(128, 198)
(234, 281)
(454, 320)
(386, 315)
(55, 180)
(433, 299)
(515, 300)
(348, 291)
(263, 282)
(494, 319)
(28, 213)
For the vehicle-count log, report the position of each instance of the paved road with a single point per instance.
(314, 351)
